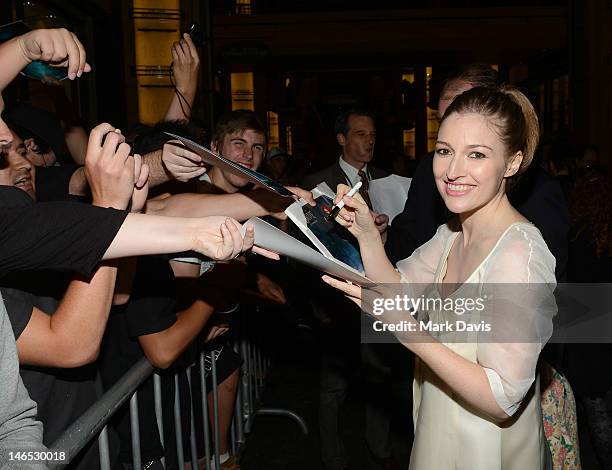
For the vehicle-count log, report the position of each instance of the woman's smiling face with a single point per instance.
(471, 162)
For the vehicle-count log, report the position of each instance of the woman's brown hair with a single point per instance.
(512, 114)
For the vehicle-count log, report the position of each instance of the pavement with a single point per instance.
(277, 443)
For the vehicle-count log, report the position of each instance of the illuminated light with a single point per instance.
(153, 39)
(273, 132)
(289, 140)
(243, 94)
(408, 77)
(244, 7)
(409, 139)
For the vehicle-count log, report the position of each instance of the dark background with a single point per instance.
(309, 58)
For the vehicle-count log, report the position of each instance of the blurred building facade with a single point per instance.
(297, 63)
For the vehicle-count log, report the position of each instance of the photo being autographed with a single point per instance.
(330, 238)
(335, 238)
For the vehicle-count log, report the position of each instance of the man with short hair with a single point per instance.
(56, 340)
(240, 137)
(15, 169)
(356, 134)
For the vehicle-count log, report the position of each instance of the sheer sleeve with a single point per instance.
(421, 266)
(519, 283)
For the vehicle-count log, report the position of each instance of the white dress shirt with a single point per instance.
(351, 172)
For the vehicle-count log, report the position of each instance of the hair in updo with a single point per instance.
(512, 115)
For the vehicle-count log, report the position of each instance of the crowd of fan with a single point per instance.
(79, 299)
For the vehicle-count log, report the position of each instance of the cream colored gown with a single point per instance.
(450, 434)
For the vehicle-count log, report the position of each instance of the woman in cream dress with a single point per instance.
(476, 401)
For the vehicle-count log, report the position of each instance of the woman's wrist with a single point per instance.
(371, 237)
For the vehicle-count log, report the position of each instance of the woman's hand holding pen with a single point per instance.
(355, 215)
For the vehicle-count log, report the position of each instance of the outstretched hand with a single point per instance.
(277, 204)
(303, 194)
(58, 47)
(182, 163)
(185, 64)
(219, 238)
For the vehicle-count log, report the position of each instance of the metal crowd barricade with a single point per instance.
(248, 400)
(95, 418)
(247, 406)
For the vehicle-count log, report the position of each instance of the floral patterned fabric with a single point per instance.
(560, 424)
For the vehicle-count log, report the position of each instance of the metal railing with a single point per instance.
(247, 406)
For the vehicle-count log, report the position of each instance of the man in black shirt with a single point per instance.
(32, 236)
(149, 312)
(57, 339)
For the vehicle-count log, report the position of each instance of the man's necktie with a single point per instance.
(365, 186)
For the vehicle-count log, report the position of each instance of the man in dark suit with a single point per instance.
(356, 135)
